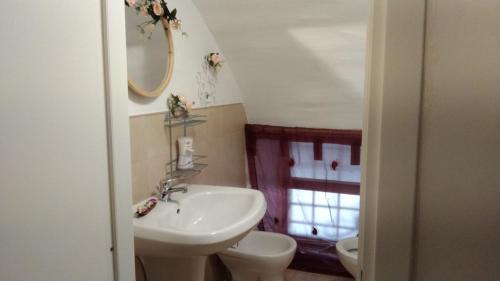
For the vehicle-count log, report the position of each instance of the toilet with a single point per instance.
(260, 256)
(347, 250)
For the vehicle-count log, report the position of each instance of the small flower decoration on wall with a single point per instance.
(156, 9)
(179, 106)
(215, 60)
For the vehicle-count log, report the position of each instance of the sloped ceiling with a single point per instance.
(297, 62)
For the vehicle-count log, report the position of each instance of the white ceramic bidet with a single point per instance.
(260, 256)
(347, 249)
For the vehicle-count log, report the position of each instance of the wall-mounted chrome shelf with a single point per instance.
(196, 158)
(184, 122)
(189, 121)
(187, 173)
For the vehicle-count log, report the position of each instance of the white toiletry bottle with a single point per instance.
(185, 160)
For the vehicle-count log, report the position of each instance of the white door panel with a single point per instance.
(54, 190)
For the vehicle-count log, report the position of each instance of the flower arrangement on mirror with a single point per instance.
(215, 61)
(179, 106)
(156, 9)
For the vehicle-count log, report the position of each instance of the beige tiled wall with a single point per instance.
(221, 139)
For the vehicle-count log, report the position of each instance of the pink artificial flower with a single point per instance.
(216, 59)
(131, 3)
(144, 11)
(157, 9)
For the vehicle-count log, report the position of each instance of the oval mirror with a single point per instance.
(149, 61)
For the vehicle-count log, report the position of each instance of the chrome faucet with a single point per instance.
(169, 186)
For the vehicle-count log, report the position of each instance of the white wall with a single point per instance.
(458, 208)
(298, 62)
(189, 56)
(54, 202)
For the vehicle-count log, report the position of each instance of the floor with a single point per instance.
(295, 275)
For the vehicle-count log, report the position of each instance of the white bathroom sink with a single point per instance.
(203, 221)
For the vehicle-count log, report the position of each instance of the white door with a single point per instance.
(54, 190)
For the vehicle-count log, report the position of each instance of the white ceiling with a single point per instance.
(298, 62)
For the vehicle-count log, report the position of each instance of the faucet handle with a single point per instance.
(173, 181)
(163, 184)
(168, 182)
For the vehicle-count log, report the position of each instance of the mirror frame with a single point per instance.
(134, 87)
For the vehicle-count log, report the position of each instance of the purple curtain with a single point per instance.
(270, 156)
(309, 178)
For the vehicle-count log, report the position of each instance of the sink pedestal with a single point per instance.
(175, 269)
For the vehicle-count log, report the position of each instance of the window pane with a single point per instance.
(300, 196)
(345, 173)
(299, 213)
(327, 199)
(349, 218)
(349, 201)
(310, 169)
(299, 229)
(333, 215)
(338, 152)
(324, 215)
(302, 151)
(327, 233)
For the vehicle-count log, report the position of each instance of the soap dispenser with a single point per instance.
(185, 160)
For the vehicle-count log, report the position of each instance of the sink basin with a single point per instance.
(201, 222)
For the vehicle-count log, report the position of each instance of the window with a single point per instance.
(310, 178)
(307, 168)
(326, 215)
